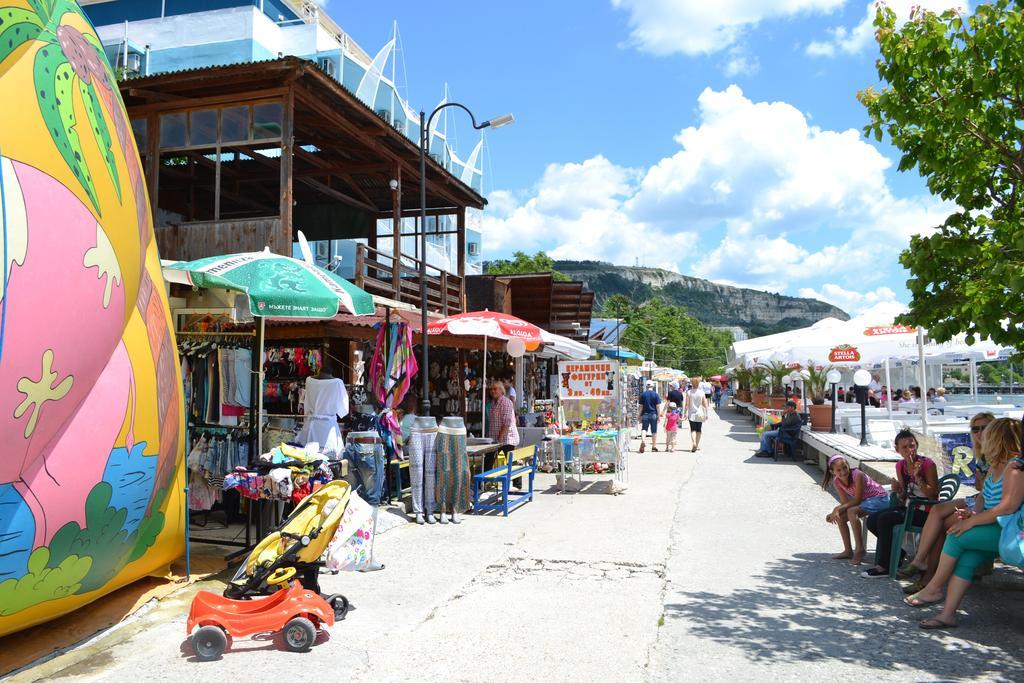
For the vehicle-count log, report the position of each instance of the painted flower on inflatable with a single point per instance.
(90, 404)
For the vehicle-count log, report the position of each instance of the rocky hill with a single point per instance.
(756, 312)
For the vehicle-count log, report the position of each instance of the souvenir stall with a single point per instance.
(232, 297)
(590, 419)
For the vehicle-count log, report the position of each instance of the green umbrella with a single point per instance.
(277, 286)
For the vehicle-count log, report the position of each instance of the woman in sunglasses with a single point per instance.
(942, 516)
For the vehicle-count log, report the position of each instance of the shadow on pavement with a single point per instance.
(812, 608)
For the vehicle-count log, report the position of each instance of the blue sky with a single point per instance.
(718, 138)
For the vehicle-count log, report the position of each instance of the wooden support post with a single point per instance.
(460, 226)
(287, 155)
(444, 293)
(360, 255)
(396, 235)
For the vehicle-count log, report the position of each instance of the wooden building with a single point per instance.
(242, 157)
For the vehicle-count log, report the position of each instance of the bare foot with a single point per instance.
(845, 555)
(857, 558)
(925, 598)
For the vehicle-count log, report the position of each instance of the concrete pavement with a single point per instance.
(712, 565)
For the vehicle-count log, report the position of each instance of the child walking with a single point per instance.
(672, 417)
(858, 494)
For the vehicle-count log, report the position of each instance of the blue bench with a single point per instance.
(522, 462)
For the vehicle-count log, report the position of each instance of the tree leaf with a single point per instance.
(100, 131)
(55, 86)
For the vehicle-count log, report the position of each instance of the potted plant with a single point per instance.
(742, 377)
(778, 371)
(758, 375)
(816, 385)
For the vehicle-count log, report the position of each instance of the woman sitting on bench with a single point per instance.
(974, 539)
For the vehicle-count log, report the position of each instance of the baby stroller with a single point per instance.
(295, 548)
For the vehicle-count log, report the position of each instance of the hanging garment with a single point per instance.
(453, 476)
(326, 400)
(243, 377)
(226, 367)
(392, 369)
(365, 453)
(422, 469)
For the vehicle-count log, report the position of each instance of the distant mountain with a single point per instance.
(756, 312)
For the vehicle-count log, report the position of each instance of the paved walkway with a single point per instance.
(713, 565)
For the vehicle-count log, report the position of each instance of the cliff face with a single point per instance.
(755, 311)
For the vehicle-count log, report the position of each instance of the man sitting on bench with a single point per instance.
(790, 423)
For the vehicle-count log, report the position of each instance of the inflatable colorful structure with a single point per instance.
(91, 431)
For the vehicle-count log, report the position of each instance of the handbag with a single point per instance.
(1011, 539)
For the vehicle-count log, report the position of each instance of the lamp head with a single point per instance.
(499, 121)
(787, 380)
(862, 378)
(393, 184)
(834, 376)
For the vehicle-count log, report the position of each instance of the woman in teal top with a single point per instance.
(974, 538)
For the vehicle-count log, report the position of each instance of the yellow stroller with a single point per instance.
(295, 548)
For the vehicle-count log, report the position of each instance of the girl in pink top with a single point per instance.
(859, 495)
(672, 416)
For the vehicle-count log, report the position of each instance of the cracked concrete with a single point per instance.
(712, 566)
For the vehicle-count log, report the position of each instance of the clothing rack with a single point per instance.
(250, 432)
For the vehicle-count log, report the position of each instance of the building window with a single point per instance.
(141, 127)
(173, 130)
(234, 124)
(203, 127)
(266, 121)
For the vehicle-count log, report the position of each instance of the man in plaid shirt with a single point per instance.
(501, 420)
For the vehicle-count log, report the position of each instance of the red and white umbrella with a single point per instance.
(487, 324)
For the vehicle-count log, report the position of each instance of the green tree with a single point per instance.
(521, 263)
(680, 340)
(952, 101)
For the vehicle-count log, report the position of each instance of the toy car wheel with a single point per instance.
(209, 643)
(340, 605)
(299, 634)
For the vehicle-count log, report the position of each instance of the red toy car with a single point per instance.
(296, 612)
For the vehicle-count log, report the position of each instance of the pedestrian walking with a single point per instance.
(649, 413)
(696, 411)
(672, 417)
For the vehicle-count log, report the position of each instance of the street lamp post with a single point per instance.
(425, 122)
(833, 378)
(861, 379)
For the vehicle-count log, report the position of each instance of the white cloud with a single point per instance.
(694, 27)
(740, 62)
(853, 40)
(755, 196)
(849, 300)
(576, 212)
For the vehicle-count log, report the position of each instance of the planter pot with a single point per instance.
(761, 400)
(743, 395)
(821, 417)
(778, 402)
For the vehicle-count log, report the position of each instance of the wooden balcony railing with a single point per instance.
(378, 273)
(198, 239)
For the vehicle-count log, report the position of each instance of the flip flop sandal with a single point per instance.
(915, 587)
(935, 625)
(914, 601)
(908, 571)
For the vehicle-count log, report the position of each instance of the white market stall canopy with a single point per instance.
(859, 343)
